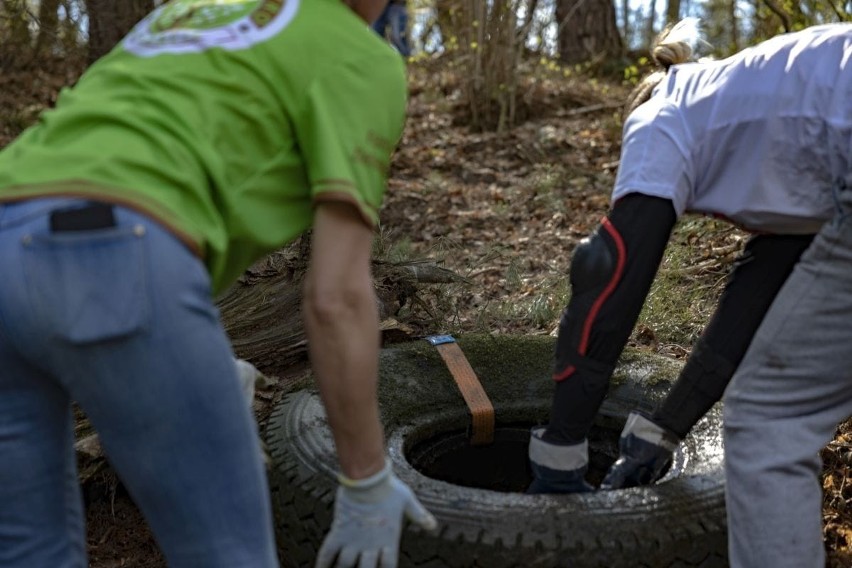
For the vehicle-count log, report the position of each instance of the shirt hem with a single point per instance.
(96, 192)
(367, 214)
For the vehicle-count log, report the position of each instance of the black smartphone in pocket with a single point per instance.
(89, 218)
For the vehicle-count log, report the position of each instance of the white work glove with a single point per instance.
(368, 515)
(248, 375)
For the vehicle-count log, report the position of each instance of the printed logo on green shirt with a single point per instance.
(202, 14)
(192, 26)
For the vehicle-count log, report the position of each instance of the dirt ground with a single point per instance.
(503, 211)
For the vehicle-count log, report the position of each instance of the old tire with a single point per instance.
(678, 522)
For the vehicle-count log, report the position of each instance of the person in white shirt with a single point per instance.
(763, 139)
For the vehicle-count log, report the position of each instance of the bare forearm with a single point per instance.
(344, 354)
(342, 322)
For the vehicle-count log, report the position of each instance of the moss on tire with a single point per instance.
(677, 522)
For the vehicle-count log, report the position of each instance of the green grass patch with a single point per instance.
(688, 284)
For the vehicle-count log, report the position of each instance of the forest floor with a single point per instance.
(504, 211)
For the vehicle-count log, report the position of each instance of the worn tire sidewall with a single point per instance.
(677, 522)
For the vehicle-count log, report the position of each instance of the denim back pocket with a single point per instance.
(88, 287)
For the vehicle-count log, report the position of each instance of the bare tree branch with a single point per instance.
(779, 11)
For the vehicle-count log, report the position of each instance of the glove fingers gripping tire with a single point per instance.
(476, 493)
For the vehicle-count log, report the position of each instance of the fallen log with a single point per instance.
(262, 315)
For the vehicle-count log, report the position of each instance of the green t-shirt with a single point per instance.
(226, 120)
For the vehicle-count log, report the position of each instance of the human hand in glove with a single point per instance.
(557, 468)
(645, 451)
(368, 516)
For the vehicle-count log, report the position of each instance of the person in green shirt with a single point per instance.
(216, 132)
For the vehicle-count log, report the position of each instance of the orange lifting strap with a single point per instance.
(471, 389)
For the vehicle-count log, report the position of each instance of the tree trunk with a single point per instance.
(262, 312)
(672, 11)
(110, 20)
(529, 17)
(587, 30)
(15, 35)
(735, 26)
(783, 15)
(48, 25)
(625, 28)
(650, 32)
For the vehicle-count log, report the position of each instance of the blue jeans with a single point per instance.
(395, 16)
(121, 321)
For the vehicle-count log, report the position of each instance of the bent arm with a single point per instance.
(342, 325)
(755, 280)
(611, 274)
